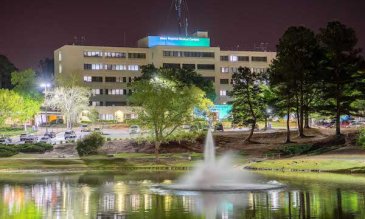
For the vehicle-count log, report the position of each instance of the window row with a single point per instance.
(108, 79)
(235, 69)
(234, 58)
(114, 67)
(188, 54)
(111, 92)
(189, 66)
(131, 55)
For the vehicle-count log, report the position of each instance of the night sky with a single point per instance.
(32, 29)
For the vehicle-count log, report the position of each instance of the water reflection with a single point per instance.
(125, 196)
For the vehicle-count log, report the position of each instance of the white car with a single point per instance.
(31, 139)
(46, 139)
(5, 141)
(134, 129)
(70, 135)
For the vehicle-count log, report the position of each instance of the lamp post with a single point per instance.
(45, 86)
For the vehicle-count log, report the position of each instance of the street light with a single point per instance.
(45, 86)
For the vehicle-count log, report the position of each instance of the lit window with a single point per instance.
(93, 54)
(95, 91)
(60, 68)
(87, 78)
(233, 58)
(59, 56)
(224, 69)
(223, 93)
(133, 67)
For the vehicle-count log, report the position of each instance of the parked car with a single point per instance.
(46, 139)
(4, 140)
(97, 129)
(23, 137)
(50, 134)
(31, 139)
(70, 135)
(85, 128)
(134, 129)
(219, 127)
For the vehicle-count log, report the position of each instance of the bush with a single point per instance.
(7, 151)
(361, 139)
(294, 149)
(90, 144)
(34, 148)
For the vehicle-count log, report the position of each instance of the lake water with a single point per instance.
(130, 195)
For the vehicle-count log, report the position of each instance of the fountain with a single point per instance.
(218, 175)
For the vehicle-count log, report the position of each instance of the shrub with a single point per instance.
(34, 148)
(361, 138)
(90, 144)
(295, 149)
(7, 151)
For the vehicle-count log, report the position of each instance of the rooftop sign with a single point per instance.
(178, 41)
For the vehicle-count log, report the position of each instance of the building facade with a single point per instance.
(108, 70)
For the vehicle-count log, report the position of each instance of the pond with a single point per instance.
(131, 195)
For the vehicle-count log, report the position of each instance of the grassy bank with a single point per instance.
(99, 162)
(320, 163)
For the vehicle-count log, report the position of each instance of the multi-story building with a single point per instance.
(108, 70)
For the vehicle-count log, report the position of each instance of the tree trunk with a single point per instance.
(338, 118)
(25, 126)
(287, 122)
(265, 123)
(301, 112)
(306, 119)
(157, 150)
(248, 139)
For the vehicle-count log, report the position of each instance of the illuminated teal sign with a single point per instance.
(222, 111)
(178, 41)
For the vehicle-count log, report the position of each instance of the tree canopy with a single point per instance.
(6, 68)
(165, 105)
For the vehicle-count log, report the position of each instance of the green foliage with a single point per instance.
(6, 68)
(11, 104)
(342, 65)
(249, 103)
(182, 77)
(361, 138)
(25, 83)
(7, 150)
(165, 105)
(11, 150)
(294, 149)
(34, 148)
(90, 144)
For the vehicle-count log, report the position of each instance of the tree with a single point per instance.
(164, 106)
(344, 82)
(6, 68)
(11, 104)
(70, 101)
(299, 55)
(248, 102)
(182, 76)
(29, 108)
(283, 86)
(25, 83)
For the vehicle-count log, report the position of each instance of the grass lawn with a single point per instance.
(103, 162)
(98, 162)
(334, 163)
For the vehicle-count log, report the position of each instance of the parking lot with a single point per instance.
(120, 133)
